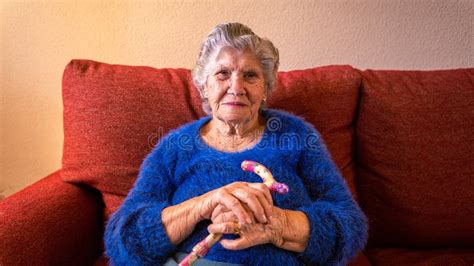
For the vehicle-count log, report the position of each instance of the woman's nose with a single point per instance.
(236, 85)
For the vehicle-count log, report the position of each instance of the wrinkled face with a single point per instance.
(235, 86)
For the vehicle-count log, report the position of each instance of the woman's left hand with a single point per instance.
(285, 229)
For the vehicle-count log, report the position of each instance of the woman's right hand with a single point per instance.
(239, 197)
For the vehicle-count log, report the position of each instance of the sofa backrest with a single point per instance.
(115, 114)
(415, 157)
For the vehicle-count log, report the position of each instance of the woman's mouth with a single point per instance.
(235, 104)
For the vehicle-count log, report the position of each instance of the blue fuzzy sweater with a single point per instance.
(182, 166)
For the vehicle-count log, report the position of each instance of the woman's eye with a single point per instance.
(250, 75)
(223, 74)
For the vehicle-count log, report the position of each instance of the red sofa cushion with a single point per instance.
(415, 150)
(327, 97)
(50, 223)
(114, 114)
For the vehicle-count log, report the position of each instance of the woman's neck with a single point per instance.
(227, 136)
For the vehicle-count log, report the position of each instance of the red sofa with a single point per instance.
(403, 140)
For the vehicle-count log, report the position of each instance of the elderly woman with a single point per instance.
(191, 183)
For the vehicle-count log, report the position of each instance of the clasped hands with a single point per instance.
(247, 209)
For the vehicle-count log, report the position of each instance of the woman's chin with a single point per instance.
(236, 114)
(235, 117)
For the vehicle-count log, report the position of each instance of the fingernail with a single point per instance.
(249, 221)
(264, 218)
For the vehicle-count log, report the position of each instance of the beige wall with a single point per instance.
(38, 38)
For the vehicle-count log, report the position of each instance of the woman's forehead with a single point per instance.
(230, 57)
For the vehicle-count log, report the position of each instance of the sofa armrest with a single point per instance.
(360, 260)
(51, 223)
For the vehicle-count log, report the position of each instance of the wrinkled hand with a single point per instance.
(225, 222)
(247, 202)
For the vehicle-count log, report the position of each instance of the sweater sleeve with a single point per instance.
(338, 227)
(135, 234)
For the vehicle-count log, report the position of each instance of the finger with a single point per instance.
(250, 213)
(226, 216)
(218, 210)
(259, 186)
(255, 200)
(239, 243)
(268, 196)
(264, 189)
(229, 216)
(232, 203)
(222, 214)
(224, 228)
(257, 196)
